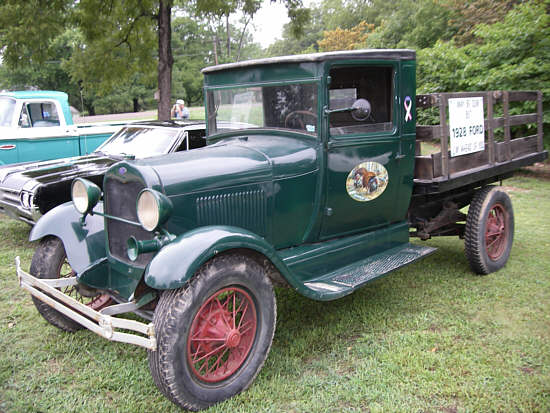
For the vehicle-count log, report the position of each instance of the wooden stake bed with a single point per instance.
(440, 172)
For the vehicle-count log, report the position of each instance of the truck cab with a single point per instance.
(313, 101)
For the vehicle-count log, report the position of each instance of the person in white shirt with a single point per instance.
(179, 111)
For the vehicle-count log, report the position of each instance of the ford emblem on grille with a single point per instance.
(122, 170)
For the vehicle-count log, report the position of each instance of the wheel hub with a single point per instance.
(233, 339)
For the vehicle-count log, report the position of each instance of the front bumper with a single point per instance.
(100, 322)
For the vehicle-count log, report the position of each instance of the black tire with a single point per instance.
(489, 230)
(50, 261)
(243, 284)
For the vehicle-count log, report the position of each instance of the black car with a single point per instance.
(29, 190)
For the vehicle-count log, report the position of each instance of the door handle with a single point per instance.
(400, 156)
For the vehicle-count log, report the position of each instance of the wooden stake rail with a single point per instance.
(441, 166)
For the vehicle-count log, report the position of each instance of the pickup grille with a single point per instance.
(120, 201)
(10, 196)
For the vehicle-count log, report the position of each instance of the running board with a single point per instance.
(345, 280)
(100, 322)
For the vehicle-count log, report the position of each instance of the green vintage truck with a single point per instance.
(313, 178)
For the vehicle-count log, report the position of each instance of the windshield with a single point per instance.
(7, 105)
(286, 107)
(140, 142)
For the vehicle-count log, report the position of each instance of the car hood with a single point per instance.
(32, 174)
(233, 162)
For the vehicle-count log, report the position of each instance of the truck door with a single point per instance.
(363, 148)
(43, 133)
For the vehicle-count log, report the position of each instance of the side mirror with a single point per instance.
(361, 110)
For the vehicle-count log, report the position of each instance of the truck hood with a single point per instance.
(32, 174)
(233, 162)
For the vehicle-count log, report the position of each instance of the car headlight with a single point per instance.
(85, 195)
(153, 209)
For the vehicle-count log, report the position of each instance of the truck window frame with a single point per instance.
(215, 134)
(61, 122)
(393, 99)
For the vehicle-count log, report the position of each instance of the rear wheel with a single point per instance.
(50, 262)
(489, 230)
(214, 334)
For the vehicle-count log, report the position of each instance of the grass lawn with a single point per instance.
(432, 337)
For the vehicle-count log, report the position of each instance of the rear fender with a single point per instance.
(84, 244)
(176, 263)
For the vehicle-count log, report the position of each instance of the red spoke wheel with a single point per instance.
(50, 262)
(489, 230)
(496, 232)
(214, 334)
(222, 334)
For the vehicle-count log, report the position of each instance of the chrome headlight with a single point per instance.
(85, 195)
(153, 209)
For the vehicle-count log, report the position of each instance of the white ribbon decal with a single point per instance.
(408, 106)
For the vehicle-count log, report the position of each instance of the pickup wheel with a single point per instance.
(50, 261)
(489, 230)
(214, 334)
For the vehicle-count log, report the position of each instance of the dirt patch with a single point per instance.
(514, 189)
(539, 170)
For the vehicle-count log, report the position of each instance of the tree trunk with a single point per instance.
(241, 40)
(135, 101)
(166, 59)
(227, 28)
(215, 42)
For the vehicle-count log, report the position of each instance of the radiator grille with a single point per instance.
(10, 196)
(120, 201)
(245, 209)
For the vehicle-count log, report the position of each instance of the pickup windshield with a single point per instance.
(291, 107)
(141, 142)
(7, 105)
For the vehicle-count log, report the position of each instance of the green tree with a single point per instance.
(343, 39)
(513, 54)
(305, 43)
(120, 38)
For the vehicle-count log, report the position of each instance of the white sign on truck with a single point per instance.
(466, 125)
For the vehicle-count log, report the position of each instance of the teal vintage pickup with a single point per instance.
(38, 125)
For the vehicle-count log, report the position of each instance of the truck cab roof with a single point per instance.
(374, 54)
(36, 94)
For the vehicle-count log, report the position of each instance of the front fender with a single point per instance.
(84, 244)
(176, 263)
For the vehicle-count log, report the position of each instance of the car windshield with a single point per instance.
(291, 107)
(7, 105)
(140, 141)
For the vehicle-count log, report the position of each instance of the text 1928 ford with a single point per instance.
(312, 185)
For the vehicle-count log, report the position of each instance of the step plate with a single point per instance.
(347, 279)
(355, 275)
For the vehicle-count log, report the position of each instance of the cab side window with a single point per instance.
(40, 114)
(362, 100)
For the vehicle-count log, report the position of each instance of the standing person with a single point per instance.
(179, 111)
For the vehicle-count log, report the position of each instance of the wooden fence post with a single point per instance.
(490, 131)
(443, 99)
